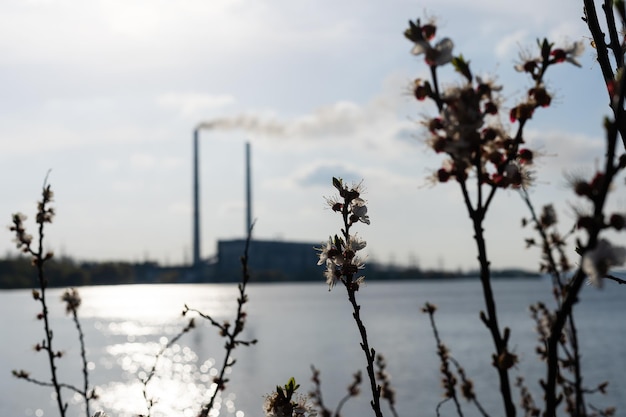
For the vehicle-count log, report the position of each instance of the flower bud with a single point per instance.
(421, 90)
(541, 96)
(525, 155)
(585, 222)
(439, 144)
(491, 108)
(489, 134)
(559, 55)
(429, 31)
(617, 221)
(582, 188)
(506, 360)
(529, 66)
(443, 175)
(521, 112)
(429, 308)
(435, 124)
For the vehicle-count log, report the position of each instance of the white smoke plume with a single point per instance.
(339, 119)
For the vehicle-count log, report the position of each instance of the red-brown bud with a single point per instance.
(585, 222)
(489, 134)
(496, 158)
(597, 181)
(443, 175)
(559, 55)
(439, 144)
(525, 155)
(582, 188)
(429, 31)
(530, 66)
(491, 108)
(521, 112)
(435, 124)
(421, 89)
(617, 221)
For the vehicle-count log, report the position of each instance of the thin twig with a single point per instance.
(231, 336)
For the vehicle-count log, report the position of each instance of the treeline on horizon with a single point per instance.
(18, 273)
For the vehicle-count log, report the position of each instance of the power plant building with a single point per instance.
(268, 260)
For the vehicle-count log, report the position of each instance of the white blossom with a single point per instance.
(597, 262)
(323, 255)
(356, 243)
(331, 274)
(299, 408)
(573, 51)
(440, 54)
(359, 210)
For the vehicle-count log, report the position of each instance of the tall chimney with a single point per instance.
(196, 202)
(248, 191)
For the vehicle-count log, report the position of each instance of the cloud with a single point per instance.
(510, 44)
(145, 162)
(194, 105)
(142, 161)
(320, 174)
(566, 149)
(109, 165)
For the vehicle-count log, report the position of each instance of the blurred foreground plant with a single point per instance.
(481, 154)
(284, 403)
(482, 158)
(24, 242)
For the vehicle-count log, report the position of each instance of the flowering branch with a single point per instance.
(23, 240)
(342, 264)
(468, 131)
(597, 254)
(551, 241)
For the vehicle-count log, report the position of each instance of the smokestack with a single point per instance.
(196, 202)
(248, 191)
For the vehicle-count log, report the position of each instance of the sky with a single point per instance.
(104, 96)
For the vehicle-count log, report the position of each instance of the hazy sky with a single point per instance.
(106, 94)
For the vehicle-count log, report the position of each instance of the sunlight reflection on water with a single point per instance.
(150, 303)
(137, 315)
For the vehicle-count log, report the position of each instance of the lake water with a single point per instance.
(297, 325)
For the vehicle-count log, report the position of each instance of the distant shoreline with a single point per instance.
(18, 273)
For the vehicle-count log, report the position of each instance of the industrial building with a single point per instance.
(268, 260)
